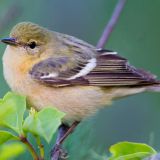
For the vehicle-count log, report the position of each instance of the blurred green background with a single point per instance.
(136, 37)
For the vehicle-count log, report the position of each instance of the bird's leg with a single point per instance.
(57, 153)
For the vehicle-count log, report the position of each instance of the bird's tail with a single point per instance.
(154, 88)
(152, 84)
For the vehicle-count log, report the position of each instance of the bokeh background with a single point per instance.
(136, 37)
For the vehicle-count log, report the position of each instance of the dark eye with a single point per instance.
(32, 45)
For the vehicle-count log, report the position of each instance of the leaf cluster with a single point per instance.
(15, 127)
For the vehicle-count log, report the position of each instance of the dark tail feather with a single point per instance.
(154, 84)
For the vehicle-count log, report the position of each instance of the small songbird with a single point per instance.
(54, 69)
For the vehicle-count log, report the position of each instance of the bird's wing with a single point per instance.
(106, 69)
(61, 71)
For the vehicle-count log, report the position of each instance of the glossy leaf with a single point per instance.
(5, 136)
(12, 108)
(130, 151)
(12, 150)
(43, 123)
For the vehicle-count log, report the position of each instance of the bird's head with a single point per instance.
(32, 38)
(27, 45)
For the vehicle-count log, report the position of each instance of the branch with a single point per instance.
(111, 24)
(30, 147)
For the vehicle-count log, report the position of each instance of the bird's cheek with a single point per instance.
(25, 65)
(21, 50)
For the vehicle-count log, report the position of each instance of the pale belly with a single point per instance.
(78, 102)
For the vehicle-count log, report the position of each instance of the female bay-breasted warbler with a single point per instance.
(54, 69)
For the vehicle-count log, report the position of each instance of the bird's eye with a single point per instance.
(32, 45)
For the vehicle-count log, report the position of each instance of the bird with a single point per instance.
(55, 69)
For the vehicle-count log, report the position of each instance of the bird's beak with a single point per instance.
(9, 41)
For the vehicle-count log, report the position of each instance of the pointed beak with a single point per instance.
(9, 41)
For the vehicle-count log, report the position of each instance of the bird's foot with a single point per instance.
(58, 153)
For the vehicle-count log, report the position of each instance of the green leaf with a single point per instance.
(43, 123)
(12, 108)
(5, 136)
(12, 150)
(130, 151)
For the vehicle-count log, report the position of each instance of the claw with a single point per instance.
(58, 153)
